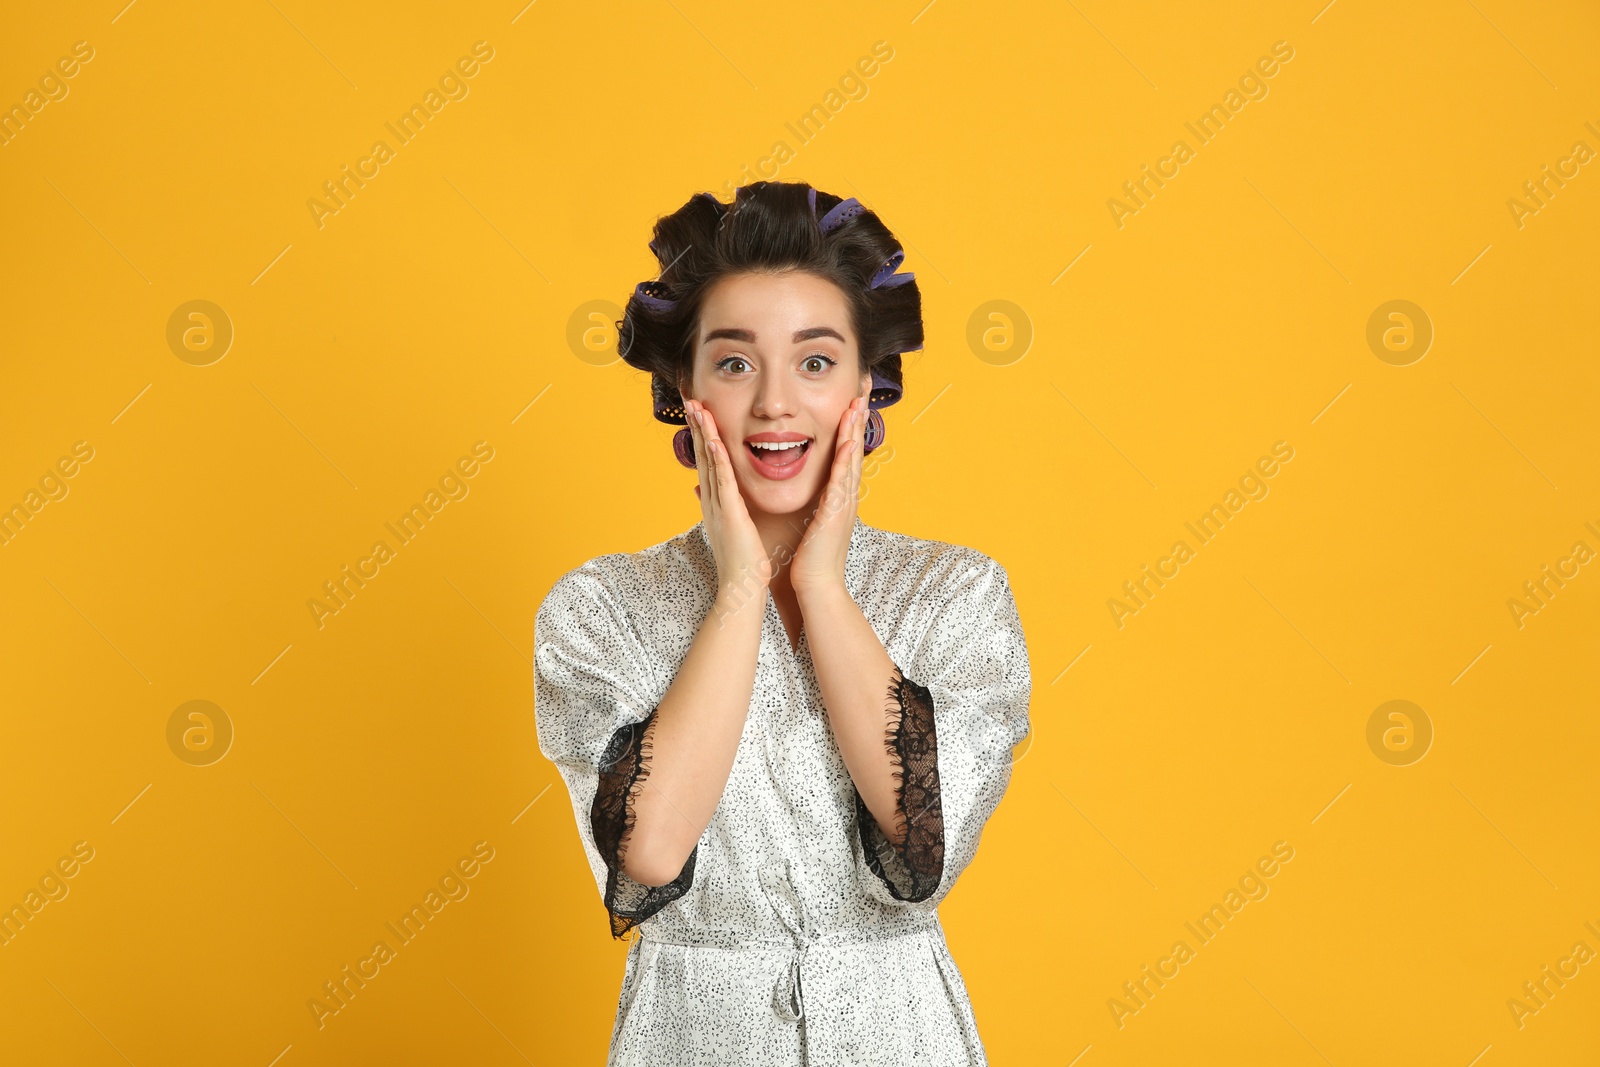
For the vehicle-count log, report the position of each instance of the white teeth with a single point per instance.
(774, 446)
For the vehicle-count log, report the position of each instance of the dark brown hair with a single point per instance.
(770, 227)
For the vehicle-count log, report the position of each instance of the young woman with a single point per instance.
(782, 730)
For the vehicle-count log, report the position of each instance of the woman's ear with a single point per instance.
(866, 383)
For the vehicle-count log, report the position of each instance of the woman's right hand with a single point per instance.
(736, 544)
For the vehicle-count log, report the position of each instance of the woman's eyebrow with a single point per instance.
(733, 333)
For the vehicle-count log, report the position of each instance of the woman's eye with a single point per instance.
(818, 363)
(725, 364)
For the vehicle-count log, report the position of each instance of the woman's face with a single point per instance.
(776, 360)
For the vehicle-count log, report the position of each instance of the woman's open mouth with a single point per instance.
(778, 456)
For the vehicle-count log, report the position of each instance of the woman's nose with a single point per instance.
(773, 397)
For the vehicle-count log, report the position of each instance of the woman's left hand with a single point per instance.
(819, 558)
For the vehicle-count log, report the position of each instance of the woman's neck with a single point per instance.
(780, 536)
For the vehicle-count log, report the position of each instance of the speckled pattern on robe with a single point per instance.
(779, 945)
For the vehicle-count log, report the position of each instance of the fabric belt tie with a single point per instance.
(784, 884)
(787, 899)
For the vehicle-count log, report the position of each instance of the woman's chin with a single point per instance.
(778, 498)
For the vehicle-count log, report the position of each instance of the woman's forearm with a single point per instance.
(694, 738)
(854, 672)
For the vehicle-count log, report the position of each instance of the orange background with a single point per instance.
(1140, 368)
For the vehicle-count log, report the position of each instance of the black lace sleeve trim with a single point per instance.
(625, 764)
(913, 869)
